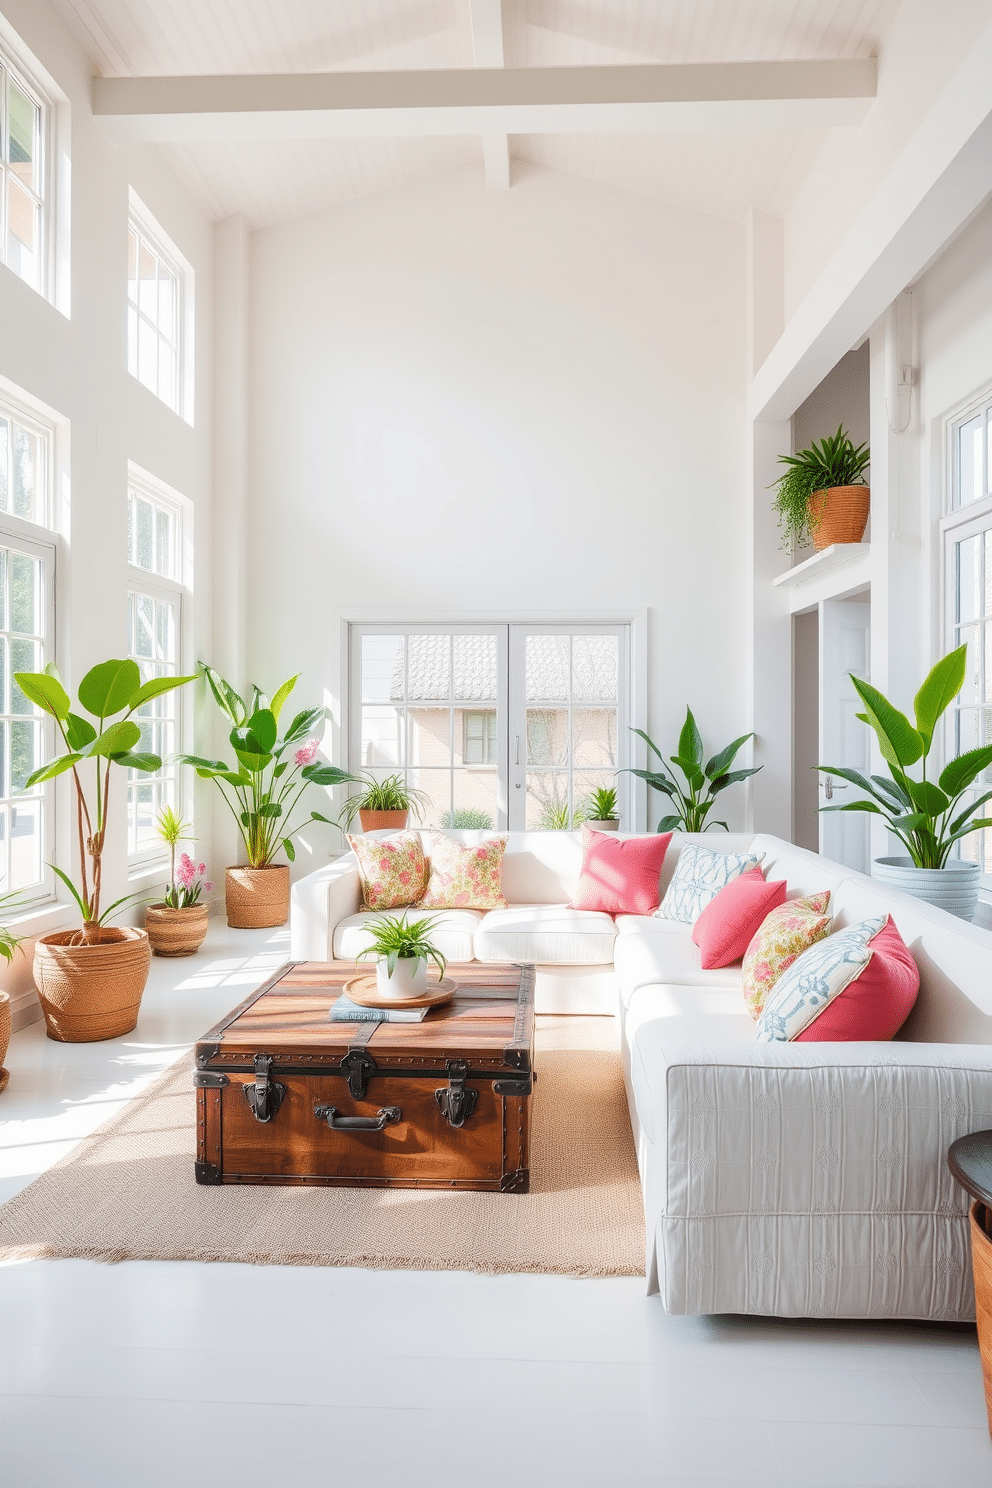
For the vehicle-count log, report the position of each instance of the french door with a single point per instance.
(499, 726)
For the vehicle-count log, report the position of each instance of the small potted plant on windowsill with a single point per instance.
(262, 791)
(928, 818)
(177, 925)
(383, 804)
(402, 950)
(822, 496)
(601, 809)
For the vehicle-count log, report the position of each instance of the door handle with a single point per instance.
(516, 749)
(830, 785)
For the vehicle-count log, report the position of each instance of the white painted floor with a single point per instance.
(153, 1373)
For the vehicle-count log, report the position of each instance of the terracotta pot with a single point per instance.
(91, 992)
(381, 821)
(839, 515)
(4, 1036)
(257, 898)
(175, 932)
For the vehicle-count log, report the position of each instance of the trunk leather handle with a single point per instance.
(383, 1117)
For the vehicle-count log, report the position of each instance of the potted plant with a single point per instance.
(383, 804)
(177, 925)
(467, 819)
(402, 950)
(8, 945)
(823, 497)
(703, 783)
(90, 980)
(262, 790)
(929, 818)
(601, 809)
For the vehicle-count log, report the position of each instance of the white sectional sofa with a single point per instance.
(796, 1180)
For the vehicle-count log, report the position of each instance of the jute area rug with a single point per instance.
(128, 1192)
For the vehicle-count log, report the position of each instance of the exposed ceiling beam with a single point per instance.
(487, 46)
(531, 100)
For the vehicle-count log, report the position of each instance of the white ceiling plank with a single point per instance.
(487, 100)
(487, 48)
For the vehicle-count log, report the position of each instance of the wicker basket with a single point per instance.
(257, 898)
(91, 992)
(839, 515)
(176, 932)
(383, 821)
(4, 1036)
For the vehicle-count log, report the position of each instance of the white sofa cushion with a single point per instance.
(453, 936)
(546, 933)
(649, 950)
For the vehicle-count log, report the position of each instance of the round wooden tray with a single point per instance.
(364, 991)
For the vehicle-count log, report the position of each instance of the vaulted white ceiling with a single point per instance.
(714, 168)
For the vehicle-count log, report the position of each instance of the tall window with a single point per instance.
(499, 725)
(26, 587)
(24, 125)
(154, 624)
(156, 308)
(968, 595)
(25, 460)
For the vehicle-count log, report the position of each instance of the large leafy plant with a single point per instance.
(926, 816)
(113, 688)
(702, 783)
(834, 461)
(264, 786)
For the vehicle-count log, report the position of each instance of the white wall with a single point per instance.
(505, 403)
(77, 366)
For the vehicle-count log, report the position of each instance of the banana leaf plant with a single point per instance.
(694, 800)
(926, 816)
(111, 688)
(263, 787)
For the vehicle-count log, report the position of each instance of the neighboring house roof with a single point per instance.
(472, 659)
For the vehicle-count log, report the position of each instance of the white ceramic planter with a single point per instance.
(954, 887)
(408, 980)
(604, 824)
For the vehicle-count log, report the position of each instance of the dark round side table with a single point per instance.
(970, 1160)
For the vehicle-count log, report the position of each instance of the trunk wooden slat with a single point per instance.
(298, 1066)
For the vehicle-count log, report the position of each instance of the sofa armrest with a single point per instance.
(758, 1129)
(319, 903)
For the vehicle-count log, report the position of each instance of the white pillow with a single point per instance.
(699, 876)
(814, 979)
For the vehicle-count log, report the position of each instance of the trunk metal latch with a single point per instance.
(455, 1101)
(266, 1095)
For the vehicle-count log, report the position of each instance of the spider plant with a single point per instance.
(395, 938)
(834, 461)
(602, 804)
(390, 794)
(694, 800)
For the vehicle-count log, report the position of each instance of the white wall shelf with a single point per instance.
(814, 568)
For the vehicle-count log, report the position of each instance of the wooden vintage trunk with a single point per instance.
(286, 1096)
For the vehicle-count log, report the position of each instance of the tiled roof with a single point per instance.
(472, 660)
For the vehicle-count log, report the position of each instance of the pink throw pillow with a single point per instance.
(393, 870)
(620, 875)
(726, 926)
(463, 877)
(877, 1002)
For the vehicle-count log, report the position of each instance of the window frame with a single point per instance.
(960, 523)
(14, 64)
(15, 409)
(141, 222)
(175, 590)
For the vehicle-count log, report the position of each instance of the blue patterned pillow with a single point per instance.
(814, 979)
(699, 876)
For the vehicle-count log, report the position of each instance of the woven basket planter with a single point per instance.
(383, 821)
(4, 1036)
(175, 932)
(839, 515)
(91, 992)
(257, 898)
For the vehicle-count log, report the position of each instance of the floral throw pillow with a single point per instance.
(393, 869)
(463, 877)
(699, 876)
(782, 936)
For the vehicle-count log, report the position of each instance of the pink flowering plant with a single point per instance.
(188, 882)
(264, 786)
